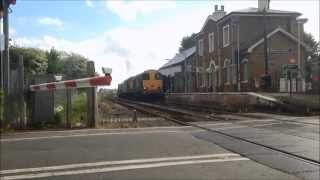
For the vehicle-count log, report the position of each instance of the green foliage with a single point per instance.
(79, 108)
(53, 61)
(107, 93)
(59, 114)
(187, 42)
(35, 60)
(38, 61)
(315, 46)
(74, 66)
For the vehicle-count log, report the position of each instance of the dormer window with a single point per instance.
(226, 35)
(211, 42)
(200, 47)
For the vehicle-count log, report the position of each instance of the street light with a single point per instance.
(300, 23)
(236, 22)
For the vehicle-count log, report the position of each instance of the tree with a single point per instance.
(314, 45)
(74, 66)
(53, 61)
(34, 60)
(38, 62)
(187, 42)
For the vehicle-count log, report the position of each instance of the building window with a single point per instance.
(244, 70)
(226, 36)
(200, 47)
(211, 42)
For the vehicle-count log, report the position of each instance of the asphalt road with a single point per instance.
(162, 153)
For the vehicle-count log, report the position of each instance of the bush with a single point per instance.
(79, 108)
(59, 113)
(1, 107)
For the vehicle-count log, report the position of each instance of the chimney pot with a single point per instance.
(263, 4)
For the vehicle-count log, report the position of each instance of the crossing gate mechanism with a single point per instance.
(77, 83)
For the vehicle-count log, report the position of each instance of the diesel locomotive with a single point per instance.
(148, 85)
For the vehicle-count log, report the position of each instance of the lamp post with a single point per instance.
(300, 23)
(236, 22)
(185, 72)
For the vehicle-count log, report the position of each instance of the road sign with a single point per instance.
(280, 51)
(292, 61)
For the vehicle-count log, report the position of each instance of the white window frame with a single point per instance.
(211, 42)
(245, 71)
(224, 34)
(200, 47)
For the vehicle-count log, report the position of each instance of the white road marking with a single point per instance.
(93, 134)
(241, 126)
(212, 124)
(104, 163)
(256, 120)
(133, 132)
(93, 130)
(119, 168)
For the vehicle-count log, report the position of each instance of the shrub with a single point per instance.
(79, 108)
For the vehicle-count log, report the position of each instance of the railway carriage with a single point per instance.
(148, 85)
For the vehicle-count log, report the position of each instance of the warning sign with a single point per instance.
(292, 61)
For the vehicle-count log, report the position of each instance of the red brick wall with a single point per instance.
(256, 64)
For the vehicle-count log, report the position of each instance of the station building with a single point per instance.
(230, 53)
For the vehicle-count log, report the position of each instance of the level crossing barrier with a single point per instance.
(76, 83)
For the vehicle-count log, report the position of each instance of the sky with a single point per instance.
(128, 36)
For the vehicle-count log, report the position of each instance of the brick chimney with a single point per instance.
(263, 4)
(218, 13)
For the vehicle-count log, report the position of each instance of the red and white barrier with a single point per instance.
(77, 83)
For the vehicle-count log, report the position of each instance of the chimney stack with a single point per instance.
(218, 14)
(215, 8)
(263, 4)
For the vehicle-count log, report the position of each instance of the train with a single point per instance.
(149, 85)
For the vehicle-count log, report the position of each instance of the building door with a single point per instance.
(289, 78)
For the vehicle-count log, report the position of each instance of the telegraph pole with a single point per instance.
(266, 78)
(266, 55)
(5, 61)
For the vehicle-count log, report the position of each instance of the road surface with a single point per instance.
(162, 153)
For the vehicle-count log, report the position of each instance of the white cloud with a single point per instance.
(127, 50)
(129, 10)
(12, 31)
(89, 3)
(50, 21)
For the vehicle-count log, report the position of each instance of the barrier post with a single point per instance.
(91, 98)
(22, 106)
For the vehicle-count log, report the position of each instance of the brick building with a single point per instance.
(225, 38)
(180, 71)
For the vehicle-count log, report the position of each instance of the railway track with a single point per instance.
(186, 118)
(219, 111)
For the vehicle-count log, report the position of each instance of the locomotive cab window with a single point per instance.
(145, 76)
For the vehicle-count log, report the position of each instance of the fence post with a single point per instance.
(91, 98)
(21, 103)
(68, 109)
